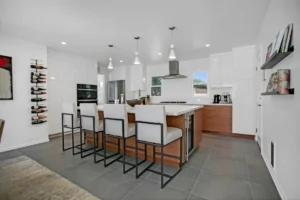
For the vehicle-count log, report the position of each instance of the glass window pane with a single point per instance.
(155, 91)
(156, 80)
(200, 83)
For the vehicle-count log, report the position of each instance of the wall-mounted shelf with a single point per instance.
(276, 58)
(291, 92)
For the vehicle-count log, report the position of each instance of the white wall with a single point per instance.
(281, 114)
(18, 131)
(68, 70)
(181, 89)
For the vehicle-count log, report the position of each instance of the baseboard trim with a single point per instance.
(55, 135)
(237, 135)
(278, 186)
(24, 145)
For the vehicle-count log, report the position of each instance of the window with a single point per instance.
(200, 83)
(156, 86)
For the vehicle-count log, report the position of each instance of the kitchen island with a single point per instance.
(186, 117)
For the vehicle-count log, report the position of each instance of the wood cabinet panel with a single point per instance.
(217, 119)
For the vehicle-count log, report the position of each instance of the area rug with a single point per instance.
(22, 178)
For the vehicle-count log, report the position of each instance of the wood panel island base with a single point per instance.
(176, 117)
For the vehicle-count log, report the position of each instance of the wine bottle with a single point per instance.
(37, 81)
(39, 111)
(37, 99)
(38, 92)
(38, 117)
(38, 77)
(37, 74)
(37, 89)
(38, 122)
(38, 107)
(37, 67)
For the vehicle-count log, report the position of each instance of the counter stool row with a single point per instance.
(150, 128)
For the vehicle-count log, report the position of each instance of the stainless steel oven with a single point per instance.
(87, 94)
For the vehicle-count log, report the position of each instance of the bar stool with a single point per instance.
(116, 125)
(69, 120)
(89, 121)
(151, 129)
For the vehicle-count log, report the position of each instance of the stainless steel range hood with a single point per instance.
(173, 71)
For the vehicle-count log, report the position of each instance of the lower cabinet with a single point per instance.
(217, 119)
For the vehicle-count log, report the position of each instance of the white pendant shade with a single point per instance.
(172, 53)
(110, 65)
(137, 59)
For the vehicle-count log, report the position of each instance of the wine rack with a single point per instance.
(38, 90)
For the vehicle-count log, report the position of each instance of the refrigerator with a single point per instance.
(115, 89)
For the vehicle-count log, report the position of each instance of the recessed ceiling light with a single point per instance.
(121, 61)
(63, 43)
(207, 45)
(159, 54)
(52, 78)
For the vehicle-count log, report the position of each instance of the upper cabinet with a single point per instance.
(137, 78)
(221, 70)
(243, 62)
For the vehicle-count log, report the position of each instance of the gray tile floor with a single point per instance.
(221, 168)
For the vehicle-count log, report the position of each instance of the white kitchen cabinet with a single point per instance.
(243, 107)
(243, 90)
(215, 70)
(137, 78)
(227, 69)
(243, 66)
(221, 70)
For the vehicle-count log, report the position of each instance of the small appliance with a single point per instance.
(226, 98)
(217, 98)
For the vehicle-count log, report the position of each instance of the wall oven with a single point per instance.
(87, 94)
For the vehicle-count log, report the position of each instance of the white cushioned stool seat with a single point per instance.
(68, 109)
(90, 109)
(152, 132)
(113, 126)
(172, 134)
(131, 129)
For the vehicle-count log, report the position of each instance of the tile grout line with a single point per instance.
(200, 171)
(133, 189)
(251, 191)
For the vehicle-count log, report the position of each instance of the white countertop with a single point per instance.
(171, 110)
(196, 104)
(217, 104)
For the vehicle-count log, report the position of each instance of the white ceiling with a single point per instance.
(88, 26)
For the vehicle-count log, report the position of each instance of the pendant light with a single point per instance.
(172, 55)
(137, 59)
(110, 65)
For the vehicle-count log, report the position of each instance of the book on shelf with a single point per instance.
(269, 51)
(279, 38)
(284, 40)
(289, 38)
(281, 43)
(273, 83)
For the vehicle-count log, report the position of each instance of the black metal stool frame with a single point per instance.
(63, 134)
(161, 145)
(119, 150)
(95, 138)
